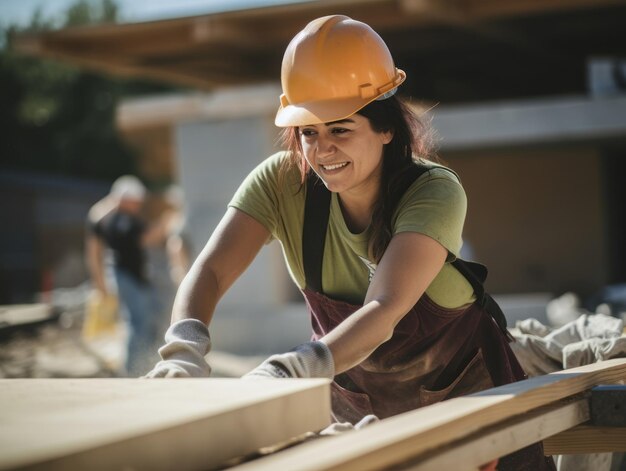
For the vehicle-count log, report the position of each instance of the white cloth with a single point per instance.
(338, 428)
(589, 338)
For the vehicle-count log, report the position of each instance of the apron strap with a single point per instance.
(316, 214)
(476, 274)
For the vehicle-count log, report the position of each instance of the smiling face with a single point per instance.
(347, 155)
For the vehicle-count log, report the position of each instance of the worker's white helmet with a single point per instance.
(128, 187)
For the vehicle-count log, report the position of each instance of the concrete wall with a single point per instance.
(538, 178)
(536, 217)
(214, 156)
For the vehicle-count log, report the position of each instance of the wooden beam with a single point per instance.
(513, 434)
(479, 10)
(474, 19)
(114, 65)
(162, 39)
(203, 71)
(182, 424)
(491, 8)
(113, 47)
(586, 439)
(408, 436)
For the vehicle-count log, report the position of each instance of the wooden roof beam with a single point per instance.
(477, 10)
(141, 42)
(473, 18)
(112, 65)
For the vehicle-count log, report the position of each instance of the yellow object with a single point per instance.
(333, 68)
(101, 315)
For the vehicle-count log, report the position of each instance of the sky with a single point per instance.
(19, 12)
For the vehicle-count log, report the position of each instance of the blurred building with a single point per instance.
(43, 221)
(528, 99)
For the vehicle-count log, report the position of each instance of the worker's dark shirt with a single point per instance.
(121, 232)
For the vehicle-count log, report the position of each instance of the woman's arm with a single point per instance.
(409, 265)
(236, 241)
(232, 246)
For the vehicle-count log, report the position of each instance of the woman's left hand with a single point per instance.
(309, 360)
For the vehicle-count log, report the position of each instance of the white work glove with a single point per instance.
(186, 343)
(338, 428)
(309, 360)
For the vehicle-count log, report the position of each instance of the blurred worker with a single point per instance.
(371, 231)
(114, 223)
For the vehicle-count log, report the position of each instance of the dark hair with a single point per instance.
(411, 141)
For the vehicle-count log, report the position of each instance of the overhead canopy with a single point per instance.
(454, 50)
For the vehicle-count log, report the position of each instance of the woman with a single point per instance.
(394, 322)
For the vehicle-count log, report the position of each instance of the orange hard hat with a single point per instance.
(333, 68)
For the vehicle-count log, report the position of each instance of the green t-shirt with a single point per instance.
(434, 205)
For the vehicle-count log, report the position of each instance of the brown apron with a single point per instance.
(434, 353)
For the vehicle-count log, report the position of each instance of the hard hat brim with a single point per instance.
(317, 112)
(325, 111)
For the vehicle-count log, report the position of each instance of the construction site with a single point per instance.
(527, 104)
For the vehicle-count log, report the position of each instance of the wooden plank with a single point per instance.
(487, 445)
(182, 424)
(586, 439)
(407, 436)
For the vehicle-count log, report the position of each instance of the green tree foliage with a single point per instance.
(58, 119)
(83, 13)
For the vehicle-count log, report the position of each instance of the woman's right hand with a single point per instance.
(186, 343)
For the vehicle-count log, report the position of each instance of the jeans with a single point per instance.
(142, 319)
